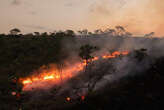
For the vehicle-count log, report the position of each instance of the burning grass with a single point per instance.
(54, 76)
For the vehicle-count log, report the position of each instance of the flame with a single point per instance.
(27, 81)
(68, 99)
(48, 77)
(82, 98)
(13, 93)
(115, 54)
(55, 76)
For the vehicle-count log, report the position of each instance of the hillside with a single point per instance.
(21, 56)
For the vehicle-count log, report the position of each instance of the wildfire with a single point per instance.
(56, 76)
(40, 78)
(27, 81)
(115, 54)
(48, 77)
(68, 99)
(82, 98)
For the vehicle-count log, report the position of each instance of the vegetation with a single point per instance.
(20, 54)
(85, 53)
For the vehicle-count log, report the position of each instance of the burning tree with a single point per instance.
(85, 53)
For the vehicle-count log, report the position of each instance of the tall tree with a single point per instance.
(85, 53)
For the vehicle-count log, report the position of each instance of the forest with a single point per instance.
(102, 70)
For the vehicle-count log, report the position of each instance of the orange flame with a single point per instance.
(27, 81)
(68, 99)
(67, 73)
(115, 54)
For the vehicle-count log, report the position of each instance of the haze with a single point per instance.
(137, 16)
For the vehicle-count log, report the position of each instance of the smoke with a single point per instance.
(16, 2)
(102, 71)
(140, 16)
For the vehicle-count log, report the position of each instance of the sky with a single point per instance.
(137, 16)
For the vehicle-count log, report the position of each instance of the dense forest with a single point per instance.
(136, 82)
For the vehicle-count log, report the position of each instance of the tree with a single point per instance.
(70, 33)
(85, 53)
(90, 33)
(110, 31)
(98, 31)
(44, 34)
(128, 34)
(15, 31)
(83, 32)
(140, 54)
(2, 35)
(36, 33)
(120, 30)
(149, 35)
(60, 34)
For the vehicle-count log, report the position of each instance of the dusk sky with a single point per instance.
(137, 16)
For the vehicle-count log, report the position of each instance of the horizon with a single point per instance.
(137, 16)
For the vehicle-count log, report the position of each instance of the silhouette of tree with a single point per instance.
(140, 54)
(2, 35)
(128, 34)
(120, 30)
(28, 35)
(70, 33)
(83, 32)
(44, 34)
(60, 34)
(85, 53)
(90, 33)
(98, 31)
(15, 31)
(110, 31)
(36, 33)
(150, 35)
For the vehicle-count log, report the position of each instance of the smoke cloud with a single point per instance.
(102, 71)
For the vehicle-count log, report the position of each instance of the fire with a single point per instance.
(40, 78)
(27, 81)
(55, 76)
(68, 99)
(48, 77)
(115, 54)
(82, 98)
(13, 93)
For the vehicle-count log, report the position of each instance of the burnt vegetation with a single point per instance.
(140, 89)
